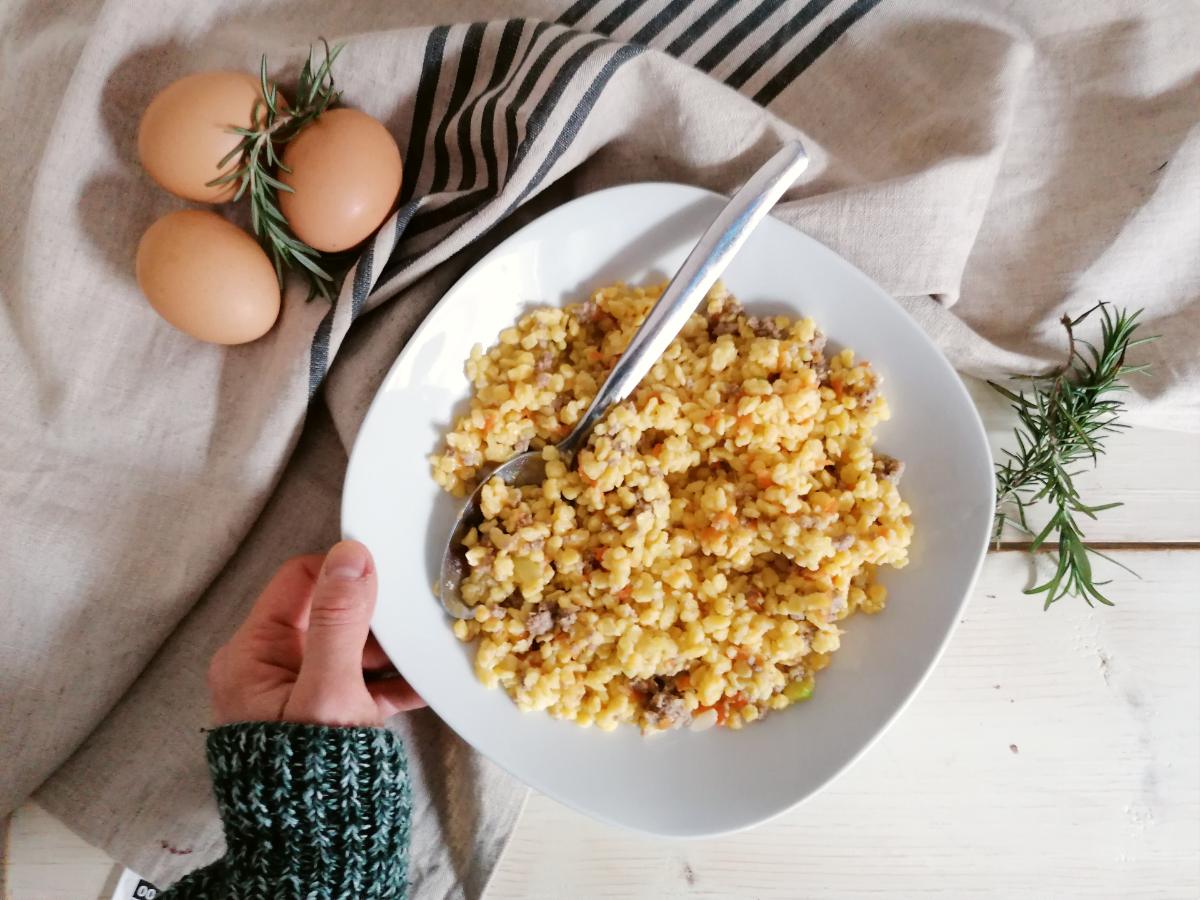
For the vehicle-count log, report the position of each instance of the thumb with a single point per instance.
(340, 619)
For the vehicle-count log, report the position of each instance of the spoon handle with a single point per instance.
(704, 265)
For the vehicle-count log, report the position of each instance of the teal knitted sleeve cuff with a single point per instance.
(309, 811)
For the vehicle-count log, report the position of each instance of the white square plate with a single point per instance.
(682, 783)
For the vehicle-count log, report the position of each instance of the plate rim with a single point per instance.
(977, 427)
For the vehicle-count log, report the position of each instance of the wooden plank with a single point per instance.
(1155, 474)
(47, 861)
(1100, 798)
(1050, 754)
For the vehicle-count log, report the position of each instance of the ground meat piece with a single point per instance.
(667, 709)
(839, 604)
(544, 362)
(794, 672)
(541, 620)
(723, 326)
(521, 446)
(821, 366)
(766, 327)
(542, 380)
(845, 542)
(888, 468)
(817, 344)
(866, 398)
(587, 310)
(566, 618)
(725, 320)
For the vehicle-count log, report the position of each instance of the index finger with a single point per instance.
(287, 598)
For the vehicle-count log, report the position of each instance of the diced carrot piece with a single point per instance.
(722, 521)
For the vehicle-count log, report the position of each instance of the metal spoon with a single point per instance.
(704, 265)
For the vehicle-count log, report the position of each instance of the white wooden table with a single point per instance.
(1050, 755)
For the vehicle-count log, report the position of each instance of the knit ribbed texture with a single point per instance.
(309, 811)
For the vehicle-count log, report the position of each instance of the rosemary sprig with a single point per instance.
(1064, 420)
(274, 124)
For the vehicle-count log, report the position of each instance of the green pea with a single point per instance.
(799, 690)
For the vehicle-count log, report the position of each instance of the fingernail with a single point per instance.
(347, 561)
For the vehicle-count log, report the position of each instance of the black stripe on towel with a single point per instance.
(575, 121)
(318, 355)
(549, 100)
(565, 138)
(617, 17)
(431, 218)
(811, 53)
(738, 33)
(661, 20)
(700, 27)
(404, 216)
(487, 124)
(506, 52)
(431, 68)
(527, 85)
(467, 203)
(363, 271)
(576, 12)
(468, 61)
(765, 51)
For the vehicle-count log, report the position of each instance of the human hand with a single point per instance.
(305, 652)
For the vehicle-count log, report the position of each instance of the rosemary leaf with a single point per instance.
(1063, 420)
(257, 152)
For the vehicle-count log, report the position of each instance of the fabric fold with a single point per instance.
(991, 164)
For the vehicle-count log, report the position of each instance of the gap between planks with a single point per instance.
(1105, 546)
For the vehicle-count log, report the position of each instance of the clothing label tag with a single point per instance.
(132, 886)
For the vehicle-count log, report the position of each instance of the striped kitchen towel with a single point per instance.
(992, 163)
(499, 105)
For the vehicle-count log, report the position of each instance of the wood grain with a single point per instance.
(1050, 754)
(47, 861)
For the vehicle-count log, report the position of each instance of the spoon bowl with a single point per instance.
(524, 468)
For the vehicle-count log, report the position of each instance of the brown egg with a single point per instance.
(184, 132)
(207, 277)
(345, 177)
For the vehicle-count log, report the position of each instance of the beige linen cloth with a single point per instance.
(992, 164)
